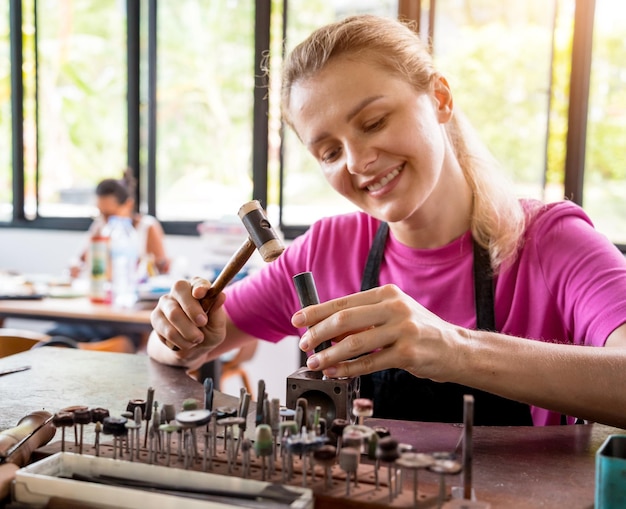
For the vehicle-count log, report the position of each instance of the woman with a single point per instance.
(115, 197)
(464, 288)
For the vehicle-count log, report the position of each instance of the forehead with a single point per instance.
(334, 91)
(336, 77)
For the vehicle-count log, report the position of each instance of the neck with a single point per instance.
(444, 217)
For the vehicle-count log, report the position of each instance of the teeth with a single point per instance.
(384, 181)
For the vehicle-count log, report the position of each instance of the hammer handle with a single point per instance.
(230, 270)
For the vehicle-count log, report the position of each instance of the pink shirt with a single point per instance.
(568, 285)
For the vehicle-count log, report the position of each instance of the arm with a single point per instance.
(78, 263)
(155, 245)
(394, 331)
(581, 381)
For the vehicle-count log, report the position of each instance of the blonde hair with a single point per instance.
(497, 221)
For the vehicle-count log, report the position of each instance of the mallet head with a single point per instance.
(260, 230)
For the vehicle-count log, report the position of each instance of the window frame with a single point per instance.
(575, 143)
(134, 16)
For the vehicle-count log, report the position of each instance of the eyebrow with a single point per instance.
(351, 114)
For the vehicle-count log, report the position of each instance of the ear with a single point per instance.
(443, 99)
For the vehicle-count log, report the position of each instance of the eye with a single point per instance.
(330, 155)
(374, 126)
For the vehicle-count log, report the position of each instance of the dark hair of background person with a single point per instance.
(123, 189)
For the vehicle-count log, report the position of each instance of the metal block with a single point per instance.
(333, 395)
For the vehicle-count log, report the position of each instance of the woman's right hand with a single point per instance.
(180, 320)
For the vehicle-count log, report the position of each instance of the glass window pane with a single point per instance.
(605, 162)
(205, 86)
(81, 85)
(497, 58)
(6, 179)
(306, 194)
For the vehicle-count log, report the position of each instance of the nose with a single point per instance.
(359, 155)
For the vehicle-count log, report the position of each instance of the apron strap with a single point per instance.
(375, 258)
(483, 289)
(399, 395)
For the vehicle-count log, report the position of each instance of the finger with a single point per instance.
(187, 295)
(169, 315)
(311, 315)
(179, 345)
(180, 332)
(199, 287)
(352, 346)
(344, 324)
(364, 365)
(215, 329)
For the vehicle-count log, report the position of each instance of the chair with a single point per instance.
(233, 367)
(116, 344)
(14, 341)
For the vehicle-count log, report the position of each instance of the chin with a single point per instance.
(389, 214)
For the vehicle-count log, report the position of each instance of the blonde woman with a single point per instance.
(444, 283)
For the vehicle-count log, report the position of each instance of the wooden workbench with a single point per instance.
(514, 467)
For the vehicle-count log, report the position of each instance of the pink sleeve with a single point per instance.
(586, 273)
(262, 304)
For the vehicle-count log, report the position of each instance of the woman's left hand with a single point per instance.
(379, 329)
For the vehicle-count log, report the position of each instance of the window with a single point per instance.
(172, 88)
(504, 91)
(81, 105)
(6, 176)
(205, 84)
(605, 165)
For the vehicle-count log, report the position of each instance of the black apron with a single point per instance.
(397, 394)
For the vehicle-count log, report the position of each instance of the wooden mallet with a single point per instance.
(261, 236)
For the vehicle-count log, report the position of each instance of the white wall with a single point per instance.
(37, 251)
(48, 251)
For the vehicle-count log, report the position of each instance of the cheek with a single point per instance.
(339, 179)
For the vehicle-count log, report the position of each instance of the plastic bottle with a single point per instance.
(124, 248)
(100, 267)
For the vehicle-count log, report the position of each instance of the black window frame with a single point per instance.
(412, 9)
(133, 20)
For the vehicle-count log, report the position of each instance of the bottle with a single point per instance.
(124, 249)
(100, 270)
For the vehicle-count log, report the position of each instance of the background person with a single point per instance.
(115, 197)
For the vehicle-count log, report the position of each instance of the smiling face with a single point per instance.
(381, 144)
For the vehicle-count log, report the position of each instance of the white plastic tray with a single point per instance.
(38, 482)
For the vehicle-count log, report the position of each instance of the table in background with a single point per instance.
(80, 310)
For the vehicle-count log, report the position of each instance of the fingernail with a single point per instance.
(304, 343)
(297, 320)
(331, 372)
(201, 320)
(313, 362)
